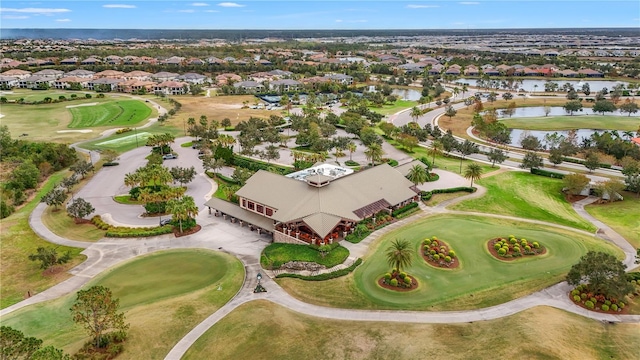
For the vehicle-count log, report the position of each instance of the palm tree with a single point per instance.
(374, 153)
(182, 209)
(415, 113)
(473, 172)
(436, 149)
(418, 174)
(465, 88)
(352, 148)
(399, 254)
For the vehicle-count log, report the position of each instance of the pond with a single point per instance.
(407, 94)
(536, 111)
(518, 134)
(530, 85)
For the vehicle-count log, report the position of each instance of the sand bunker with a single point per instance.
(75, 131)
(87, 104)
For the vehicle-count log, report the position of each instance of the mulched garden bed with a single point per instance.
(509, 255)
(414, 284)
(193, 230)
(585, 296)
(442, 250)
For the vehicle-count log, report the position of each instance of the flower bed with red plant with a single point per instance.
(398, 281)
(437, 253)
(511, 248)
(585, 298)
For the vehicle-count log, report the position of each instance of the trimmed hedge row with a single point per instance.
(327, 276)
(581, 162)
(256, 165)
(227, 179)
(122, 231)
(404, 209)
(547, 173)
(426, 195)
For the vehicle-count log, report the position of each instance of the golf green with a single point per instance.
(112, 113)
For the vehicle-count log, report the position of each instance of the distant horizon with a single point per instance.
(319, 15)
(235, 34)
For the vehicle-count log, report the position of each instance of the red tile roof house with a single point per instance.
(636, 140)
(172, 87)
(65, 82)
(17, 73)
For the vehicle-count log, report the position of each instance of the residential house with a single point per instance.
(105, 83)
(590, 73)
(81, 73)
(67, 81)
(164, 76)
(285, 85)
(35, 81)
(49, 73)
(471, 70)
(192, 78)
(249, 86)
(69, 61)
(109, 74)
(340, 78)
(567, 73)
(172, 87)
(134, 85)
(138, 75)
(227, 78)
(91, 61)
(8, 82)
(17, 73)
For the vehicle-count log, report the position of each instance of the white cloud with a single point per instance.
(422, 6)
(63, 20)
(338, 20)
(199, 4)
(469, 3)
(14, 17)
(211, 11)
(41, 11)
(230, 4)
(119, 6)
(186, 11)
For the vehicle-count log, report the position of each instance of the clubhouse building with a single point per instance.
(318, 205)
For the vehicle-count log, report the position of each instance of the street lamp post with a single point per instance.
(259, 288)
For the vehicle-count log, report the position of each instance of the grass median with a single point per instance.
(622, 216)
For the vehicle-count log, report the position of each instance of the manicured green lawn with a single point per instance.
(606, 122)
(394, 108)
(527, 196)
(130, 140)
(113, 113)
(622, 216)
(277, 254)
(480, 281)
(61, 224)
(538, 333)
(38, 95)
(441, 161)
(126, 199)
(164, 295)
(17, 242)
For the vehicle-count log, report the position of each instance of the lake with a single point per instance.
(529, 85)
(407, 94)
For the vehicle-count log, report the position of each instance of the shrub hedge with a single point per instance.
(256, 165)
(326, 276)
(547, 173)
(123, 231)
(581, 162)
(404, 209)
(351, 163)
(426, 195)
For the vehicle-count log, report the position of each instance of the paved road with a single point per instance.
(109, 182)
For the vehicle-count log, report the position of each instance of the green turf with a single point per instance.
(39, 95)
(113, 113)
(524, 195)
(394, 108)
(622, 216)
(480, 281)
(153, 292)
(279, 253)
(126, 200)
(130, 140)
(600, 122)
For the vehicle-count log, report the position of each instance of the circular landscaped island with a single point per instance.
(511, 248)
(438, 253)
